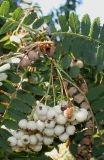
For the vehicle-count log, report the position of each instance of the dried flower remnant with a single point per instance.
(32, 52)
(47, 48)
(62, 154)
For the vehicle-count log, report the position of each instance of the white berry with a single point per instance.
(81, 115)
(57, 109)
(42, 118)
(70, 130)
(41, 109)
(59, 130)
(12, 140)
(51, 113)
(84, 111)
(47, 140)
(77, 63)
(50, 123)
(20, 143)
(31, 125)
(63, 137)
(23, 124)
(49, 131)
(39, 137)
(40, 125)
(33, 139)
(19, 134)
(25, 139)
(36, 148)
(61, 119)
(80, 64)
(35, 117)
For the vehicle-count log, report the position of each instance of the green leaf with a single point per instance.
(95, 28)
(99, 116)
(74, 23)
(16, 115)
(98, 104)
(4, 133)
(30, 18)
(36, 90)
(100, 57)
(4, 144)
(17, 14)
(10, 124)
(26, 97)
(10, 45)
(95, 92)
(38, 23)
(2, 108)
(97, 140)
(85, 49)
(47, 19)
(102, 34)
(4, 98)
(98, 151)
(65, 61)
(81, 48)
(7, 87)
(40, 156)
(73, 149)
(5, 38)
(27, 86)
(18, 105)
(74, 71)
(3, 140)
(78, 137)
(85, 25)
(63, 23)
(13, 77)
(4, 8)
(8, 26)
(65, 44)
(76, 46)
(52, 27)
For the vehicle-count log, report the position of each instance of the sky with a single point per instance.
(95, 8)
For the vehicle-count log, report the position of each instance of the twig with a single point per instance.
(54, 95)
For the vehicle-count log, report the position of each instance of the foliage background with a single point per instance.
(84, 41)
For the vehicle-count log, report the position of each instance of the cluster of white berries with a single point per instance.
(46, 123)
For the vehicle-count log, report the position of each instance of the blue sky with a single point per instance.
(95, 8)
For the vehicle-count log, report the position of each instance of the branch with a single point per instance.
(77, 35)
